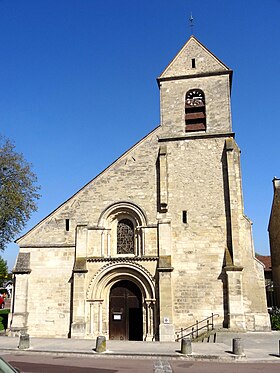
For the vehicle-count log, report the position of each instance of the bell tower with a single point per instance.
(195, 93)
(204, 236)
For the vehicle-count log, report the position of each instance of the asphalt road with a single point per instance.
(41, 363)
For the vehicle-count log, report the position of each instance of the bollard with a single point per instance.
(24, 342)
(279, 347)
(186, 346)
(100, 344)
(237, 346)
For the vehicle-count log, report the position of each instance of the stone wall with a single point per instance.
(49, 291)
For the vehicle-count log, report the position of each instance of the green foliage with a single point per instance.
(18, 192)
(9, 277)
(3, 271)
(4, 319)
(275, 318)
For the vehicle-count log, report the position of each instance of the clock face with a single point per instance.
(195, 97)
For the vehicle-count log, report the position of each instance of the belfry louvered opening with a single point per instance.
(195, 113)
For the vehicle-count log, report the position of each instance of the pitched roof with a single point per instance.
(181, 64)
(266, 260)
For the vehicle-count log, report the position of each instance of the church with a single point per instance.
(159, 239)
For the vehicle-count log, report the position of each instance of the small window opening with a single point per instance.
(184, 217)
(125, 237)
(193, 63)
(67, 225)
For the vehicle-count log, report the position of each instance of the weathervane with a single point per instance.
(191, 23)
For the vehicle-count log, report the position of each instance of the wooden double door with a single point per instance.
(126, 316)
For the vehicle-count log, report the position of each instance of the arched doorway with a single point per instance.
(125, 312)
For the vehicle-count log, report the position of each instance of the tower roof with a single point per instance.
(193, 59)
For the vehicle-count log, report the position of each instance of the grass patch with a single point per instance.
(4, 319)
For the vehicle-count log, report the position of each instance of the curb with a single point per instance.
(111, 354)
(115, 355)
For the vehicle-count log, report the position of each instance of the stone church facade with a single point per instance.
(159, 239)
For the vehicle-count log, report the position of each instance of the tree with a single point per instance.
(3, 271)
(18, 192)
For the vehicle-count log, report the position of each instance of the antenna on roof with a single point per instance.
(191, 23)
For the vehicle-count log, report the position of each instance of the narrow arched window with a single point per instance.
(195, 114)
(125, 237)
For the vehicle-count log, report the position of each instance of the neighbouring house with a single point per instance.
(157, 240)
(266, 261)
(274, 239)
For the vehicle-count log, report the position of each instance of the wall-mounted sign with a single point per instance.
(117, 316)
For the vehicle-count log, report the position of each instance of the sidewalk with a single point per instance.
(258, 347)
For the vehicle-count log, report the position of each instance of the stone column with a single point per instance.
(81, 240)
(95, 317)
(166, 327)
(19, 318)
(233, 201)
(100, 317)
(163, 182)
(102, 243)
(236, 318)
(78, 327)
(20, 314)
(143, 237)
(108, 243)
(90, 318)
(139, 241)
(150, 328)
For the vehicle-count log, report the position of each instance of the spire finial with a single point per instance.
(191, 23)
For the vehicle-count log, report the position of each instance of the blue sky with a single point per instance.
(78, 86)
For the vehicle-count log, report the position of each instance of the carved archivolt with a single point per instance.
(111, 273)
(124, 222)
(120, 211)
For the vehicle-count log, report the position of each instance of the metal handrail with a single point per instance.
(195, 328)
